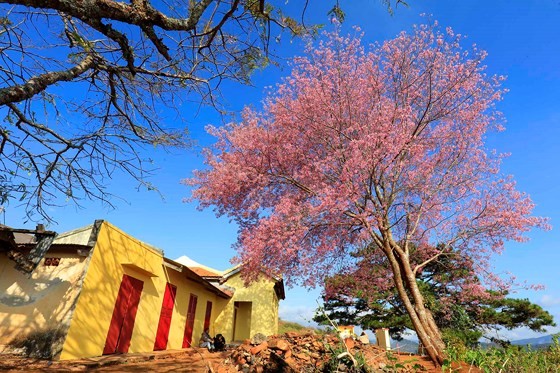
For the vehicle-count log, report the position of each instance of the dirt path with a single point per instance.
(194, 360)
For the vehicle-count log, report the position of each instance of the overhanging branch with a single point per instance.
(39, 83)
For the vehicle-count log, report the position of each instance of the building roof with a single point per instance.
(215, 276)
(19, 236)
(16, 239)
(203, 272)
(192, 275)
(202, 269)
(278, 281)
(80, 236)
(210, 278)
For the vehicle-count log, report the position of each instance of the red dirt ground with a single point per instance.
(194, 360)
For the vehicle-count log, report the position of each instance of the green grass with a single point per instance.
(513, 359)
(290, 326)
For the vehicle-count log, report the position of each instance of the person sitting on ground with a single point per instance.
(206, 341)
(219, 342)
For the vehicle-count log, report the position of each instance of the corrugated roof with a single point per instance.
(78, 236)
(20, 238)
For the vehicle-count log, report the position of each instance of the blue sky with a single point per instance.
(523, 42)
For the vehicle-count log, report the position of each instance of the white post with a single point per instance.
(382, 337)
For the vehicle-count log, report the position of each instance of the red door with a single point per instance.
(187, 340)
(124, 314)
(165, 317)
(208, 315)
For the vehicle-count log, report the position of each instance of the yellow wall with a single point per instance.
(53, 296)
(43, 302)
(91, 320)
(264, 309)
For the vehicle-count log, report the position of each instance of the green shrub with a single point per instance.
(345, 363)
(512, 359)
(409, 365)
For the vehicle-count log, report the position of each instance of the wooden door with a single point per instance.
(124, 315)
(164, 324)
(191, 313)
(208, 315)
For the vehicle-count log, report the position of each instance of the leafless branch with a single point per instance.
(83, 84)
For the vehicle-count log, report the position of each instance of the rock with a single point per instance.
(277, 364)
(349, 342)
(245, 347)
(258, 339)
(303, 357)
(293, 352)
(292, 334)
(279, 344)
(257, 349)
(241, 361)
(290, 361)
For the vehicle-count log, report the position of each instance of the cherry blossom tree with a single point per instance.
(377, 149)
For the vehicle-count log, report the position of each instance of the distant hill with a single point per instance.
(292, 326)
(404, 346)
(539, 342)
(536, 343)
(412, 346)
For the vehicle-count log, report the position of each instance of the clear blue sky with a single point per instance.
(523, 42)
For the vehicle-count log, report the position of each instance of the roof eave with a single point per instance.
(191, 275)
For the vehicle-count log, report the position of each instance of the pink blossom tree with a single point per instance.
(378, 149)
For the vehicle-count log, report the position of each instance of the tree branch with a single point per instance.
(41, 82)
(137, 13)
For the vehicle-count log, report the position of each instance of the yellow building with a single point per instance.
(251, 309)
(97, 290)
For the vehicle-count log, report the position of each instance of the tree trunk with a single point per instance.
(422, 319)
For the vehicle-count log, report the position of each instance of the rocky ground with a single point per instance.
(310, 352)
(288, 353)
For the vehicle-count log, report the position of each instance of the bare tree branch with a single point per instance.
(84, 83)
(39, 83)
